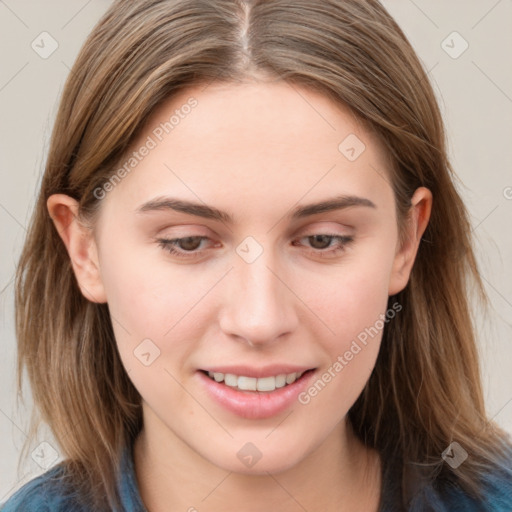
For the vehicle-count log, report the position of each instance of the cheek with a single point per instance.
(145, 302)
(154, 323)
(350, 299)
(145, 294)
(352, 305)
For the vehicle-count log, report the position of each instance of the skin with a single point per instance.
(257, 151)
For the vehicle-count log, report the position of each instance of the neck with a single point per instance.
(341, 475)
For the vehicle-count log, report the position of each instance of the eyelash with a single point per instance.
(169, 245)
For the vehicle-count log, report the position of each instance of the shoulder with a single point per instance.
(55, 491)
(496, 497)
(44, 493)
(498, 485)
(496, 490)
(416, 491)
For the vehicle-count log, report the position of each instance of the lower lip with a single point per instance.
(255, 404)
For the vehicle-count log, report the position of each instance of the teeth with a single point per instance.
(291, 377)
(253, 384)
(280, 381)
(246, 383)
(230, 380)
(266, 384)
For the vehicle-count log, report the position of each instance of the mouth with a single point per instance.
(260, 384)
(255, 394)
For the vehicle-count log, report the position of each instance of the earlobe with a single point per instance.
(80, 245)
(419, 216)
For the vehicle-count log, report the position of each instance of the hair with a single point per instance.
(140, 54)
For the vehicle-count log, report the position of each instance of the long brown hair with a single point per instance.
(140, 54)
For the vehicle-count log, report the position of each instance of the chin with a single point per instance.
(256, 459)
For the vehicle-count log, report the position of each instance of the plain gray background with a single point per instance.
(474, 88)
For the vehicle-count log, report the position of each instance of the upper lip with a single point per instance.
(251, 371)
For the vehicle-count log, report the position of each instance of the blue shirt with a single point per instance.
(42, 494)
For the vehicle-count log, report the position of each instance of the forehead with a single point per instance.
(277, 112)
(249, 142)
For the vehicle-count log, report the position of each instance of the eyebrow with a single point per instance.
(210, 212)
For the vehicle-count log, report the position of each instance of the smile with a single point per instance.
(245, 383)
(261, 394)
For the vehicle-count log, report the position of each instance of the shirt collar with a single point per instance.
(127, 484)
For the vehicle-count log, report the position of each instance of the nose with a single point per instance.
(259, 306)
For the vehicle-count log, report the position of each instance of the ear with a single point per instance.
(417, 221)
(80, 244)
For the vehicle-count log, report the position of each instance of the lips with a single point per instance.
(258, 393)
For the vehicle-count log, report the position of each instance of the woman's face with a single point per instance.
(288, 253)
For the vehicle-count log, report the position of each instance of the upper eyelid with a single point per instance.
(304, 230)
(303, 235)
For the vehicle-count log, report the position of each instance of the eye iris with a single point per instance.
(190, 243)
(324, 241)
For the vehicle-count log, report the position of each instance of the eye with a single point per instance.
(321, 242)
(185, 247)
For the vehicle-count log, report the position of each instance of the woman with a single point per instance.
(245, 285)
